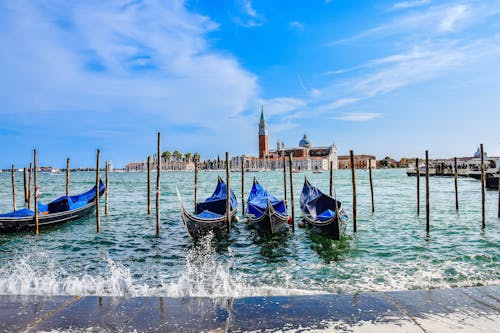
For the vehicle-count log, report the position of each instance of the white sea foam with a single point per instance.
(209, 274)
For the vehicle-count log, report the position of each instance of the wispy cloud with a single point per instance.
(297, 25)
(360, 116)
(147, 65)
(452, 17)
(281, 105)
(410, 4)
(249, 16)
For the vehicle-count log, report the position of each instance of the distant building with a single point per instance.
(305, 156)
(360, 162)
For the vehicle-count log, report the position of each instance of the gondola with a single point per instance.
(59, 211)
(266, 213)
(322, 213)
(210, 215)
(492, 181)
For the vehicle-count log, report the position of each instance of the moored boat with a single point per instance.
(322, 213)
(266, 213)
(59, 211)
(492, 181)
(210, 215)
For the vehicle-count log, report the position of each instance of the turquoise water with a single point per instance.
(389, 252)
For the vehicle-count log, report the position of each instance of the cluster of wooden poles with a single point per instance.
(32, 170)
(427, 191)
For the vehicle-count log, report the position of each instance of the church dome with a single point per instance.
(305, 142)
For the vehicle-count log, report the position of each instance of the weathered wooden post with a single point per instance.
(158, 173)
(243, 186)
(284, 177)
(97, 201)
(13, 188)
(427, 195)
(331, 179)
(25, 182)
(30, 171)
(499, 191)
(35, 184)
(290, 164)
(354, 209)
(67, 176)
(371, 184)
(418, 186)
(228, 195)
(106, 208)
(195, 183)
(456, 184)
(483, 195)
(149, 184)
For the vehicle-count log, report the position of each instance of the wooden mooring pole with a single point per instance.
(371, 184)
(243, 186)
(30, 171)
(25, 182)
(195, 183)
(13, 188)
(158, 173)
(284, 178)
(97, 201)
(331, 179)
(106, 202)
(354, 209)
(290, 164)
(427, 195)
(228, 195)
(456, 184)
(483, 194)
(67, 176)
(35, 185)
(149, 184)
(418, 186)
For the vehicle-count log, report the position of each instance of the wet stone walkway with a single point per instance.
(475, 309)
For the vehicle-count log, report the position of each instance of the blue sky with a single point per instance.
(382, 77)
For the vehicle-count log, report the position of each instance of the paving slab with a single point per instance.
(473, 309)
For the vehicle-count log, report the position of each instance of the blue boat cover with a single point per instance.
(317, 204)
(206, 214)
(25, 212)
(61, 204)
(216, 203)
(258, 198)
(66, 203)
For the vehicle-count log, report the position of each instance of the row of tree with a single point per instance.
(177, 156)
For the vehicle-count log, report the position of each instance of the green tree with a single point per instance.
(196, 157)
(177, 155)
(188, 156)
(166, 155)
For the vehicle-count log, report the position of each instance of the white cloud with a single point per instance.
(297, 25)
(337, 104)
(250, 17)
(410, 4)
(147, 65)
(281, 105)
(452, 17)
(358, 116)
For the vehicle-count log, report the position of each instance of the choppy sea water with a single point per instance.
(389, 252)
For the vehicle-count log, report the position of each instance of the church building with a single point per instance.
(305, 155)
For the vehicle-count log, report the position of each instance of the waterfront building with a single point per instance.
(305, 155)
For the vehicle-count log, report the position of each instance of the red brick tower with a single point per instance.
(263, 139)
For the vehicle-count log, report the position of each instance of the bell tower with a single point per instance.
(263, 138)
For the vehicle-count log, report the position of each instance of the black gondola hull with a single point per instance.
(332, 229)
(199, 227)
(15, 224)
(269, 223)
(492, 182)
